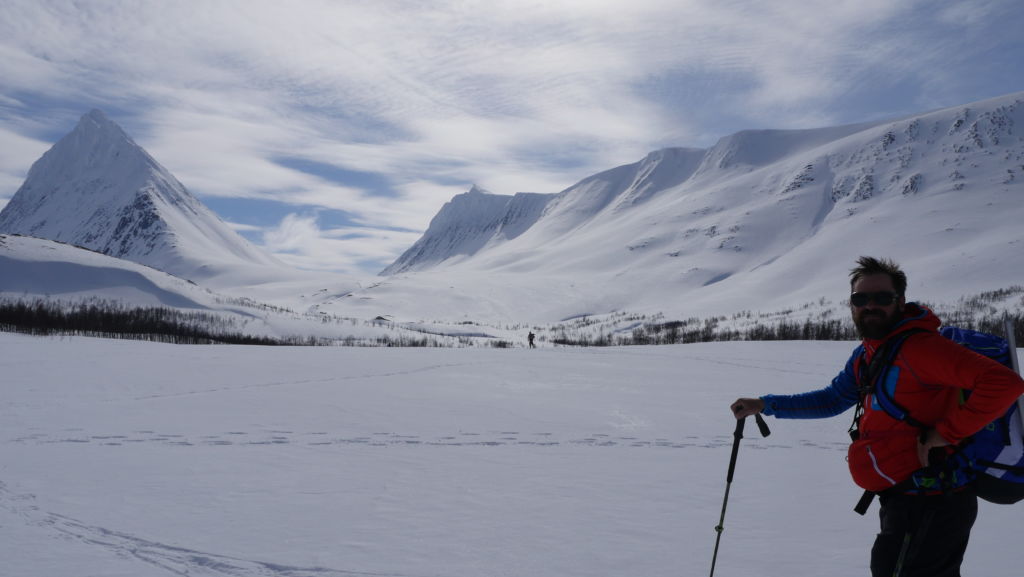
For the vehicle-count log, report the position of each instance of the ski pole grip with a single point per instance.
(763, 426)
(738, 433)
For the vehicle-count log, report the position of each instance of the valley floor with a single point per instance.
(122, 458)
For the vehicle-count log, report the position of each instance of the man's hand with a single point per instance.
(746, 407)
(930, 439)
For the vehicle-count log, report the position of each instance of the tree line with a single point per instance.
(111, 320)
(780, 329)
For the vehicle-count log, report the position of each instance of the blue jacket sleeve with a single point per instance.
(828, 402)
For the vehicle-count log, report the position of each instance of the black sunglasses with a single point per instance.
(880, 298)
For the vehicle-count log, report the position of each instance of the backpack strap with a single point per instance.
(875, 384)
(868, 382)
(869, 376)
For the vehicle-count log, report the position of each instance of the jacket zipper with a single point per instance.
(874, 463)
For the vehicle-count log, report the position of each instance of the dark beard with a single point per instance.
(875, 324)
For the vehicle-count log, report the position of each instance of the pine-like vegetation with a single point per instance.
(111, 320)
(813, 321)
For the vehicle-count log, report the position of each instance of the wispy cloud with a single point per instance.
(17, 153)
(300, 241)
(516, 95)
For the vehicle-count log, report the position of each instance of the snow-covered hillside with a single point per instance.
(762, 220)
(97, 189)
(34, 271)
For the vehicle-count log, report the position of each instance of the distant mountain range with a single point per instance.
(764, 220)
(782, 211)
(97, 189)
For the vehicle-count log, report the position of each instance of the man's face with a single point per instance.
(873, 320)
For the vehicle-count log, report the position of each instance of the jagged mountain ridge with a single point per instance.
(96, 188)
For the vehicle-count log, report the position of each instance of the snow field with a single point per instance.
(125, 458)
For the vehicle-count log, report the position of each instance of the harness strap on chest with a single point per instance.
(871, 382)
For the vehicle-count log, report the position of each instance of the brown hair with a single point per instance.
(867, 265)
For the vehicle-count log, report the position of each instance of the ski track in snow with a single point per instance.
(173, 560)
(292, 382)
(168, 559)
(181, 561)
(388, 439)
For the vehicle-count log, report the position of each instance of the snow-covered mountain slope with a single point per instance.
(469, 223)
(34, 267)
(763, 219)
(34, 270)
(98, 189)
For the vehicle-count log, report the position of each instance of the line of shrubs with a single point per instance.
(709, 330)
(110, 320)
(113, 320)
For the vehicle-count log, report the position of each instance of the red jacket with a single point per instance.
(925, 379)
(926, 376)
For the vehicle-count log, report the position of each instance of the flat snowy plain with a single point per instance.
(122, 458)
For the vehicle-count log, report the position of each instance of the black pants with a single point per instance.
(930, 532)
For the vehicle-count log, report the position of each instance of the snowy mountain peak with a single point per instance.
(96, 188)
(97, 145)
(95, 118)
(468, 223)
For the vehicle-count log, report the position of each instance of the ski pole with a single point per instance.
(1011, 341)
(737, 435)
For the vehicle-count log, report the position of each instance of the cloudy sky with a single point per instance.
(330, 132)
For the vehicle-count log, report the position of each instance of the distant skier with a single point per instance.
(529, 339)
(925, 522)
